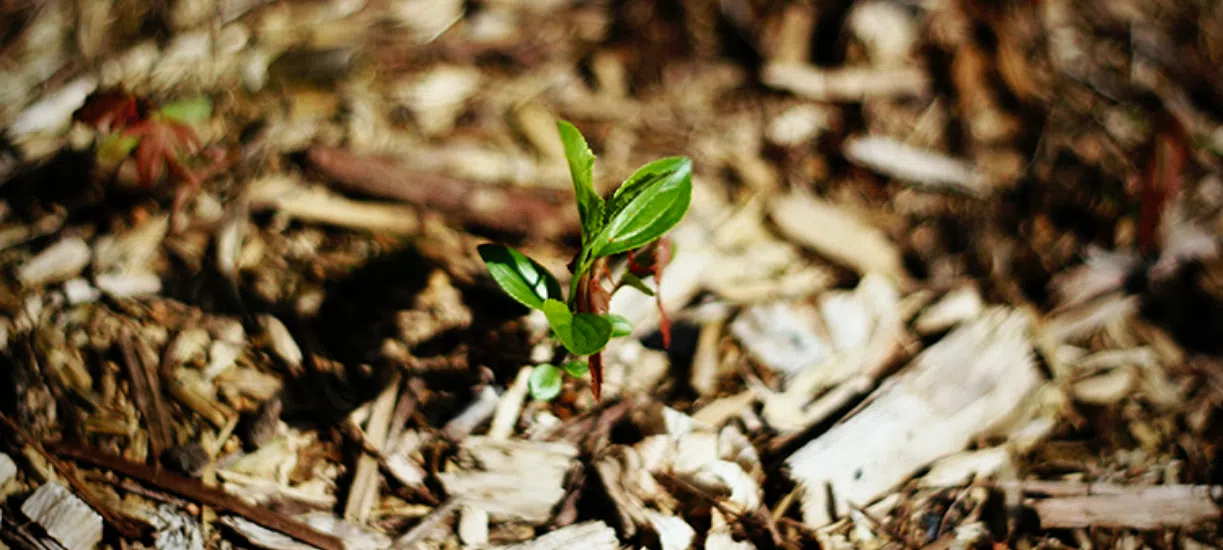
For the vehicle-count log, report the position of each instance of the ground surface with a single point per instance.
(950, 277)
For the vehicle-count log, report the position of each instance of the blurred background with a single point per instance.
(990, 227)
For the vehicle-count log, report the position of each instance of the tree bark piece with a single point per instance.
(1083, 505)
(541, 213)
(956, 390)
(68, 520)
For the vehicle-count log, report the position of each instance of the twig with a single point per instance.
(364, 490)
(427, 524)
(146, 393)
(126, 526)
(544, 213)
(194, 490)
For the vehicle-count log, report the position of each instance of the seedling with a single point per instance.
(631, 222)
(155, 138)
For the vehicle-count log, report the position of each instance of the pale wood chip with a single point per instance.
(590, 535)
(353, 536)
(846, 84)
(65, 517)
(512, 480)
(898, 160)
(958, 388)
(59, 262)
(955, 307)
(1077, 505)
(837, 234)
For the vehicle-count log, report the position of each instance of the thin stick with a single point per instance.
(194, 490)
(146, 393)
(364, 489)
(544, 213)
(430, 522)
(126, 526)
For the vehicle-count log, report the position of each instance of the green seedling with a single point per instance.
(630, 223)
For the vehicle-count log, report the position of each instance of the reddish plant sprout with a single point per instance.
(648, 261)
(155, 139)
(592, 296)
(109, 111)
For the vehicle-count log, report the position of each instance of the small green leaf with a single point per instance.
(581, 334)
(651, 212)
(195, 110)
(620, 325)
(545, 382)
(650, 174)
(634, 281)
(576, 368)
(519, 276)
(116, 147)
(581, 169)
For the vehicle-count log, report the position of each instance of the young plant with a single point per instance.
(156, 139)
(631, 222)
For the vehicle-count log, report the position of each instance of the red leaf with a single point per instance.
(111, 111)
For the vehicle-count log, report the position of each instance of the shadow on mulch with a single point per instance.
(1193, 316)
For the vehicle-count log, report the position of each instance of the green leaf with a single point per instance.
(519, 276)
(647, 175)
(620, 325)
(581, 334)
(581, 169)
(576, 368)
(634, 281)
(545, 382)
(195, 110)
(659, 200)
(116, 147)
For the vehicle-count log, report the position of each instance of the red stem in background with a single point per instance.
(1161, 180)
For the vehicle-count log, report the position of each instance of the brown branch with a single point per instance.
(543, 213)
(146, 393)
(123, 524)
(192, 489)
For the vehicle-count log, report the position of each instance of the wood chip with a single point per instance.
(779, 338)
(1126, 507)
(354, 537)
(847, 84)
(66, 518)
(512, 480)
(283, 344)
(318, 205)
(673, 533)
(473, 526)
(835, 233)
(957, 306)
(8, 469)
(59, 262)
(363, 493)
(955, 390)
(961, 468)
(589, 535)
(934, 170)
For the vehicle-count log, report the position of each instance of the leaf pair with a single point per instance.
(647, 205)
(532, 285)
(640, 211)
